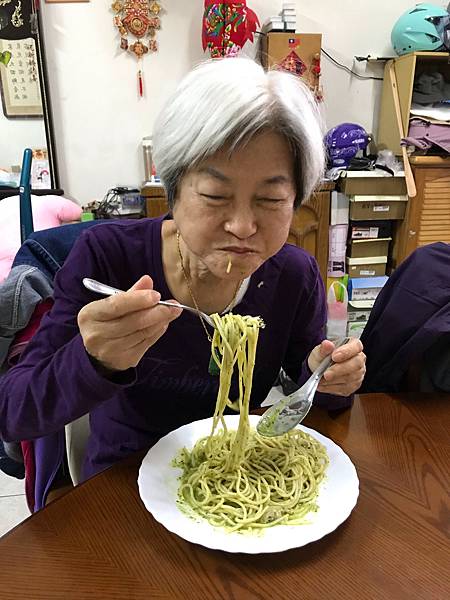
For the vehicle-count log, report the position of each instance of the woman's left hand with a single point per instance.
(344, 377)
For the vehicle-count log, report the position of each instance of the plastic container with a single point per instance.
(337, 302)
(148, 159)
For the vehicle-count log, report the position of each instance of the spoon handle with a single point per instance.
(327, 361)
(100, 288)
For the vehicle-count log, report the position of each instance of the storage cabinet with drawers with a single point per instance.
(427, 217)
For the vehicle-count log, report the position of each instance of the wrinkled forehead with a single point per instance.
(267, 158)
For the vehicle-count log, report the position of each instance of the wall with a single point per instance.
(17, 134)
(99, 119)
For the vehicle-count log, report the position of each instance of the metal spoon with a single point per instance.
(290, 410)
(108, 290)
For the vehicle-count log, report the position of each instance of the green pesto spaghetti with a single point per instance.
(240, 480)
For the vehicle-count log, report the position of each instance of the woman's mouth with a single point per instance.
(238, 250)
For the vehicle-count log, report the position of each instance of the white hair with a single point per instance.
(222, 104)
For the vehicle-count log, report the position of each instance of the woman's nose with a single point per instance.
(241, 222)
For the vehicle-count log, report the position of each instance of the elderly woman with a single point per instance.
(238, 149)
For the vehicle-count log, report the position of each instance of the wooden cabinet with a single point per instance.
(407, 69)
(427, 218)
(309, 228)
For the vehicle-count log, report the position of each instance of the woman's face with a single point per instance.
(238, 208)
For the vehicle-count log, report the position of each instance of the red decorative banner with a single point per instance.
(227, 26)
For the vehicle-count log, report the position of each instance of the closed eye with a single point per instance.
(210, 197)
(271, 199)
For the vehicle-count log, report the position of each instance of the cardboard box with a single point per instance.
(367, 208)
(361, 230)
(374, 266)
(371, 182)
(365, 288)
(273, 24)
(359, 310)
(367, 247)
(290, 50)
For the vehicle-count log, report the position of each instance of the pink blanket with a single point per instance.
(48, 211)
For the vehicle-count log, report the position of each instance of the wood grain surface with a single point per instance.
(99, 542)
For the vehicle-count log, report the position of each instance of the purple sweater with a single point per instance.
(56, 383)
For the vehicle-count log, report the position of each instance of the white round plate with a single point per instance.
(158, 484)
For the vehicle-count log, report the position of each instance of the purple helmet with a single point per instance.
(343, 142)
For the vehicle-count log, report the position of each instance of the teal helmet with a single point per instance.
(420, 29)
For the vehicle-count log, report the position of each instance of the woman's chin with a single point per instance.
(238, 269)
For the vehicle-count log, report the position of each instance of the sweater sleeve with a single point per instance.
(55, 381)
(309, 330)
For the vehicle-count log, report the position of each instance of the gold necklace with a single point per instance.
(191, 293)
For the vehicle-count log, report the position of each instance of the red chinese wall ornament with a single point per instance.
(141, 19)
(227, 26)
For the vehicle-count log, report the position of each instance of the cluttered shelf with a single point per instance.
(388, 218)
(364, 211)
(421, 132)
(422, 93)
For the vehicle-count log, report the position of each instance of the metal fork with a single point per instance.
(108, 290)
(290, 410)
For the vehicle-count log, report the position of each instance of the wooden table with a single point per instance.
(99, 542)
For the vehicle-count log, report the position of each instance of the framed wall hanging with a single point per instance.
(19, 81)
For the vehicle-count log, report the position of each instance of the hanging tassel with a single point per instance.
(140, 84)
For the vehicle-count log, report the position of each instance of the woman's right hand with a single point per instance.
(117, 331)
